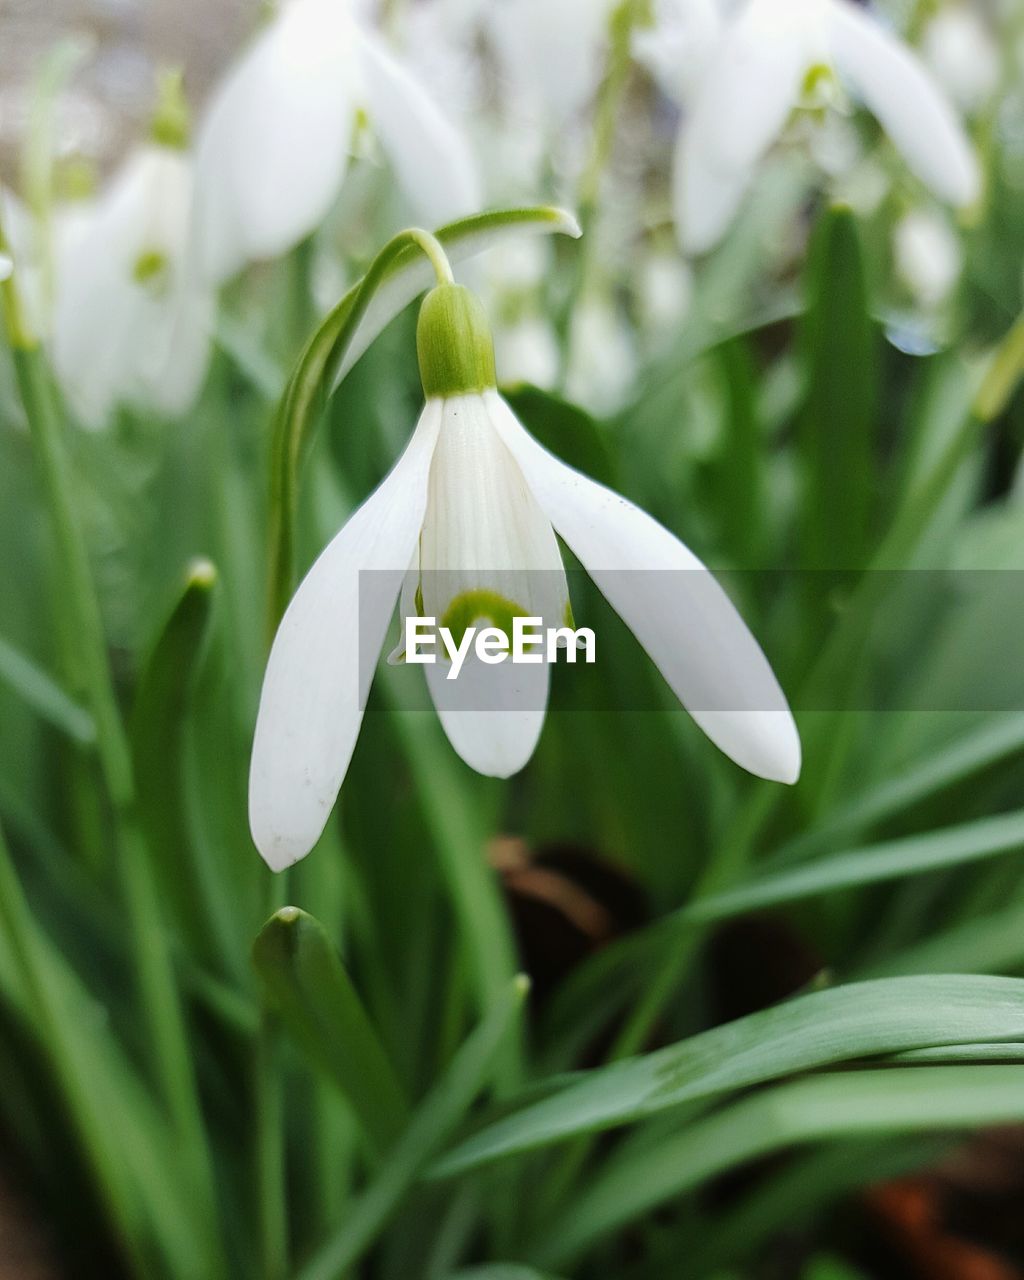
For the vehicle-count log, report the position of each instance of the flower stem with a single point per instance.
(434, 252)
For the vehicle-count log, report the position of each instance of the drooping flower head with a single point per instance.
(770, 55)
(132, 320)
(273, 147)
(465, 527)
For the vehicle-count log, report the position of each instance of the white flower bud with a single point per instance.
(963, 55)
(928, 256)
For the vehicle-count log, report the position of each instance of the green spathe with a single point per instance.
(454, 344)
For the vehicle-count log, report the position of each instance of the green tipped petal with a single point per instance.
(453, 340)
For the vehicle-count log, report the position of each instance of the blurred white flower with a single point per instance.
(526, 350)
(525, 342)
(771, 56)
(664, 291)
(474, 505)
(602, 356)
(928, 256)
(273, 148)
(962, 53)
(550, 53)
(38, 253)
(6, 267)
(132, 322)
(680, 43)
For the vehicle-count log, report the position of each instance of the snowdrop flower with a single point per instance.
(928, 256)
(677, 47)
(273, 148)
(526, 348)
(602, 356)
(664, 292)
(132, 322)
(770, 57)
(551, 54)
(39, 253)
(961, 51)
(464, 527)
(525, 343)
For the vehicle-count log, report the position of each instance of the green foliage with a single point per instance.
(372, 1099)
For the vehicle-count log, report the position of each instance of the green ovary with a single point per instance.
(470, 606)
(151, 269)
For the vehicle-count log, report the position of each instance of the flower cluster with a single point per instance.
(320, 84)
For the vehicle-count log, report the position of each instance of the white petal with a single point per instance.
(493, 715)
(681, 43)
(550, 54)
(475, 236)
(173, 368)
(483, 530)
(311, 706)
(6, 266)
(118, 339)
(745, 96)
(909, 105)
(272, 148)
(431, 158)
(672, 605)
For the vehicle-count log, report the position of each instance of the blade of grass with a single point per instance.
(994, 742)
(991, 943)
(157, 732)
(159, 998)
(874, 864)
(845, 1023)
(45, 696)
(850, 1104)
(431, 1124)
(838, 421)
(313, 994)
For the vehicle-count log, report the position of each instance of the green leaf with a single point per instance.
(991, 943)
(569, 432)
(395, 277)
(500, 1271)
(431, 1125)
(815, 1030)
(126, 1142)
(820, 1108)
(993, 742)
(992, 1052)
(739, 470)
(45, 696)
(310, 988)
(157, 734)
(874, 864)
(839, 414)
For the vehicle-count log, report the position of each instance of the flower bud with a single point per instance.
(454, 344)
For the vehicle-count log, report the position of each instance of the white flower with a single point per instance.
(526, 348)
(768, 58)
(679, 44)
(273, 148)
(928, 256)
(550, 53)
(474, 505)
(6, 267)
(664, 291)
(39, 253)
(132, 323)
(602, 356)
(962, 53)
